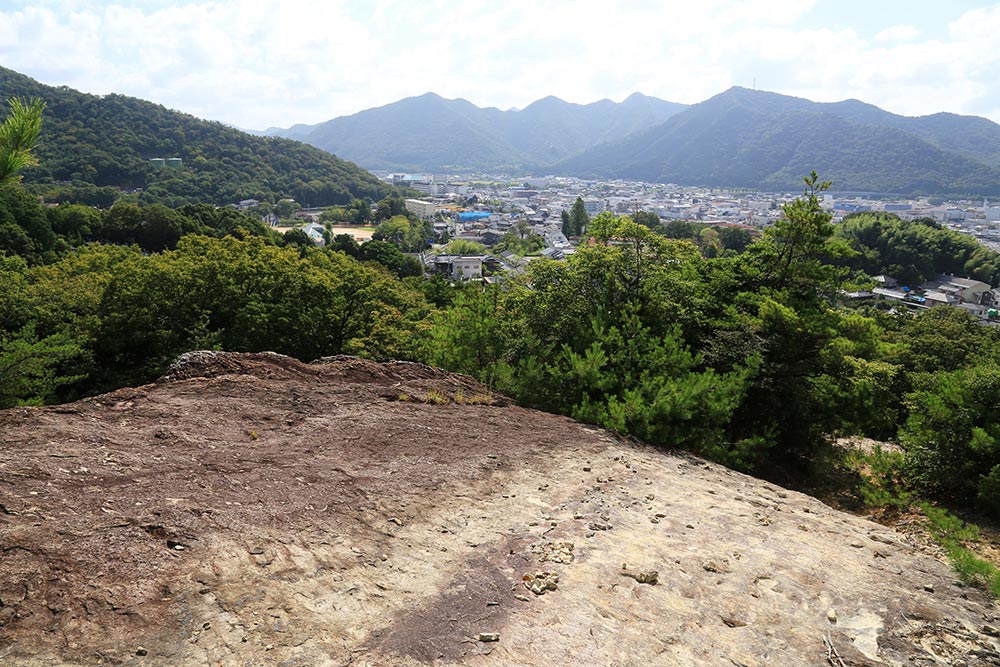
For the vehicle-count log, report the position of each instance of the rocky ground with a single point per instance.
(252, 510)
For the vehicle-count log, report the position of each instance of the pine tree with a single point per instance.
(18, 135)
(579, 220)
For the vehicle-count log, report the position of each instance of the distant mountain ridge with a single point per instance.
(757, 139)
(739, 138)
(430, 133)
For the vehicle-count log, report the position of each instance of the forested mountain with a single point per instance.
(971, 136)
(92, 145)
(756, 139)
(431, 133)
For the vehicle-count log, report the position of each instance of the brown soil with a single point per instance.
(250, 509)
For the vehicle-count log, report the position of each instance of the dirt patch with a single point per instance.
(251, 509)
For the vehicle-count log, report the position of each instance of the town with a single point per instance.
(479, 210)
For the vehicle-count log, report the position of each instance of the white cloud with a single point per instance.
(256, 63)
(898, 33)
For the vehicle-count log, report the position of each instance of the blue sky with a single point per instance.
(258, 63)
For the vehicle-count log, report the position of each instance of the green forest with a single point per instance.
(745, 354)
(96, 149)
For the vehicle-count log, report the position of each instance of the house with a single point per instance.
(490, 237)
(964, 290)
(314, 231)
(977, 310)
(459, 267)
(940, 298)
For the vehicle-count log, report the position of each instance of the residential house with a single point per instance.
(314, 230)
(459, 267)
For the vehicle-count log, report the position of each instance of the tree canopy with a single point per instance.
(93, 149)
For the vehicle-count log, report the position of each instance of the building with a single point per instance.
(314, 231)
(460, 267)
(421, 208)
(964, 290)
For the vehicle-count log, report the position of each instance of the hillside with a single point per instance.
(90, 142)
(756, 139)
(251, 509)
(429, 132)
(971, 136)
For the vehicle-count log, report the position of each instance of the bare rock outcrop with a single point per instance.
(250, 509)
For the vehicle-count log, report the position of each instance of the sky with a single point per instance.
(259, 63)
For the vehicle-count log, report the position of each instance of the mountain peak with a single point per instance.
(548, 101)
(636, 97)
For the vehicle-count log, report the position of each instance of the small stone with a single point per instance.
(990, 630)
(395, 521)
(522, 598)
(733, 622)
(488, 636)
(207, 625)
(654, 520)
(831, 615)
(661, 515)
(929, 588)
(541, 582)
(586, 468)
(141, 651)
(689, 526)
(599, 526)
(641, 576)
(710, 566)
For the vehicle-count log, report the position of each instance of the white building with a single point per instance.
(421, 208)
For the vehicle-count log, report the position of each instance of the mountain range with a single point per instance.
(757, 139)
(739, 138)
(430, 133)
(93, 147)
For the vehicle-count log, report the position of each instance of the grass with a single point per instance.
(953, 534)
(483, 398)
(877, 479)
(436, 398)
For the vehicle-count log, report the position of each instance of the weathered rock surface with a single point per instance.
(249, 509)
